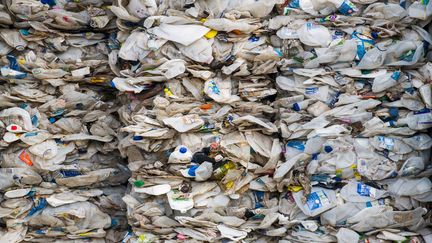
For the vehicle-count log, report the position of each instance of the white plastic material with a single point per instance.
(359, 192)
(384, 82)
(182, 205)
(181, 154)
(317, 202)
(314, 35)
(46, 150)
(183, 34)
(204, 171)
(184, 123)
(417, 121)
(346, 235)
(410, 187)
(199, 51)
(154, 190)
(231, 233)
(21, 114)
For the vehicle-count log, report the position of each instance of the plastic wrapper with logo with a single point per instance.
(215, 121)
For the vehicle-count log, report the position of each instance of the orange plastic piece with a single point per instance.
(237, 32)
(206, 106)
(25, 157)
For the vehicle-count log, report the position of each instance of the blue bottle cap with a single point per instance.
(328, 149)
(192, 170)
(137, 138)
(183, 150)
(52, 119)
(296, 107)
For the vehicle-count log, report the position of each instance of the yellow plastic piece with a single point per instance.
(142, 238)
(211, 34)
(229, 184)
(98, 80)
(339, 173)
(295, 188)
(168, 92)
(357, 175)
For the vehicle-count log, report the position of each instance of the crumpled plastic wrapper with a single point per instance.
(215, 121)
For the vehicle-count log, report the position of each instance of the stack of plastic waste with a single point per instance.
(61, 177)
(215, 120)
(298, 121)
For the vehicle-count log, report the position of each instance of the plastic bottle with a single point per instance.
(180, 155)
(390, 144)
(289, 101)
(426, 94)
(223, 169)
(204, 171)
(314, 145)
(185, 123)
(420, 141)
(287, 33)
(294, 148)
(419, 120)
(385, 81)
(322, 93)
(359, 192)
(410, 186)
(420, 10)
(317, 202)
(412, 166)
(180, 201)
(345, 235)
(318, 108)
(22, 115)
(302, 105)
(345, 7)
(339, 214)
(9, 177)
(10, 73)
(314, 35)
